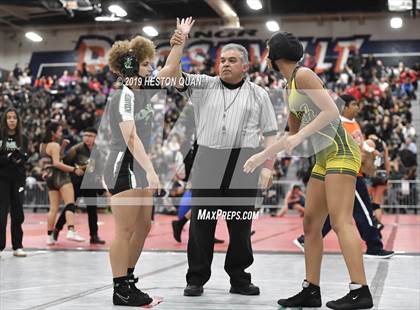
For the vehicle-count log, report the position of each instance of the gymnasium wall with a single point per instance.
(17, 49)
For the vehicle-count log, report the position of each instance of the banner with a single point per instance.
(326, 53)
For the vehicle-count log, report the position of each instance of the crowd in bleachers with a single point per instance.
(77, 99)
(386, 95)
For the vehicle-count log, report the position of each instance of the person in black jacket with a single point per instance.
(78, 156)
(13, 146)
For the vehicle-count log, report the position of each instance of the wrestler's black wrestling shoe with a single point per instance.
(359, 297)
(310, 296)
(132, 280)
(124, 295)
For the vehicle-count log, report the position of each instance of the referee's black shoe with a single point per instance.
(193, 290)
(124, 295)
(249, 289)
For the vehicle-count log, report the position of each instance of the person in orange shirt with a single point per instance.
(362, 211)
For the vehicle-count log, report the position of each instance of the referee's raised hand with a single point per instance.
(177, 38)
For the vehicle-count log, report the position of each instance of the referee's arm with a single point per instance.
(268, 123)
(268, 120)
(266, 174)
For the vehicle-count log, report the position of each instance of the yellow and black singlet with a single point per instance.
(335, 150)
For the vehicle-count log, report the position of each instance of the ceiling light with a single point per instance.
(117, 10)
(33, 36)
(272, 26)
(150, 31)
(111, 18)
(254, 4)
(396, 22)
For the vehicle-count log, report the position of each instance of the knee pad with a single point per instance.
(70, 207)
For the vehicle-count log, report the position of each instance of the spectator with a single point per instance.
(409, 145)
(295, 200)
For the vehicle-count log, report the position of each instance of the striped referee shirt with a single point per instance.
(229, 116)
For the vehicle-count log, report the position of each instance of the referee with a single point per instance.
(230, 114)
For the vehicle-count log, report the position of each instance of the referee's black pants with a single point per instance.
(11, 200)
(363, 216)
(91, 208)
(217, 178)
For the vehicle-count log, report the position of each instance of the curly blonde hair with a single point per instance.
(118, 50)
(142, 48)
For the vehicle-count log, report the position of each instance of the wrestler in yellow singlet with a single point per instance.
(336, 151)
